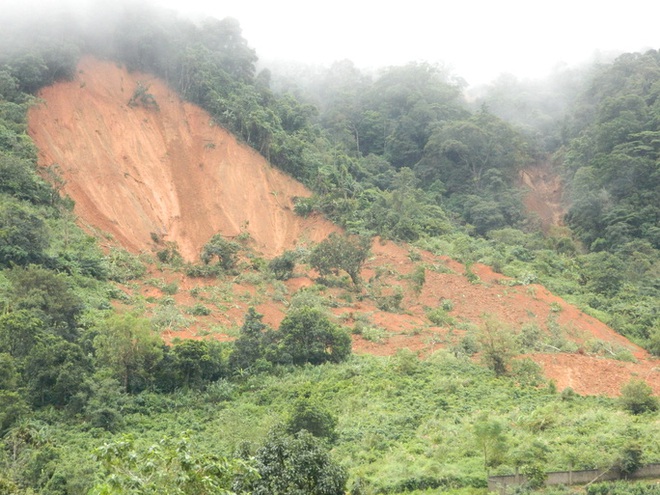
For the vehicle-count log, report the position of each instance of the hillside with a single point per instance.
(144, 175)
(456, 293)
(167, 173)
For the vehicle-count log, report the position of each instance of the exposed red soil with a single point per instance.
(492, 296)
(590, 375)
(135, 171)
(544, 199)
(140, 173)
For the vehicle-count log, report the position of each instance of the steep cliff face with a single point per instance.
(163, 170)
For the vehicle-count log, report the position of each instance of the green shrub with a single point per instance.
(446, 304)
(440, 318)
(198, 310)
(527, 372)
(497, 344)
(308, 415)
(637, 397)
(202, 271)
(624, 488)
(372, 333)
(390, 302)
(124, 266)
(169, 254)
(282, 267)
(418, 278)
(472, 277)
(341, 252)
(467, 346)
(170, 288)
(297, 464)
(222, 249)
(141, 97)
(169, 317)
(306, 335)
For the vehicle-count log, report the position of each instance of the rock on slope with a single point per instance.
(137, 172)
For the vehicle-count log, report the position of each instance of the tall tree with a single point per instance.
(128, 347)
(250, 346)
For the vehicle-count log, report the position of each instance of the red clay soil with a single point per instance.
(590, 375)
(510, 305)
(171, 172)
(140, 173)
(544, 199)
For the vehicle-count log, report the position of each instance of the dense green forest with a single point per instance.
(92, 401)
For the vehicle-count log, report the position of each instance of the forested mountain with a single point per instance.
(93, 399)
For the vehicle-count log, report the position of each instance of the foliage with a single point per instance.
(19, 180)
(418, 278)
(306, 335)
(126, 345)
(637, 397)
(166, 467)
(198, 310)
(440, 317)
(197, 362)
(12, 409)
(465, 154)
(296, 464)
(123, 266)
(282, 266)
(142, 98)
(251, 344)
(167, 316)
(54, 371)
(624, 488)
(497, 344)
(393, 419)
(631, 459)
(612, 156)
(23, 234)
(489, 437)
(340, 252)
(308, 415)
(19, 332)
(222, 249)
(48, 296)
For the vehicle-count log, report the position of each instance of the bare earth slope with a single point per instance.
(139, 173)
(544, 198)
(134, 171)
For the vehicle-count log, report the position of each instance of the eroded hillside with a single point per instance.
(160, 171)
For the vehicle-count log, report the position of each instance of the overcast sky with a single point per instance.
(478, 39)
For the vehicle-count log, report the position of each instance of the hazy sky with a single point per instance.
(479, 39)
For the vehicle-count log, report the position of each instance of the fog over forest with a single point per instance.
(477, 40)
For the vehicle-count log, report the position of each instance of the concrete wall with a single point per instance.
(500, 483)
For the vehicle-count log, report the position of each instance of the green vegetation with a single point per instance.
(93, 401)
(295, 464)
(373, 411)
(166, 467)
(637, 397)
(337, 252)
